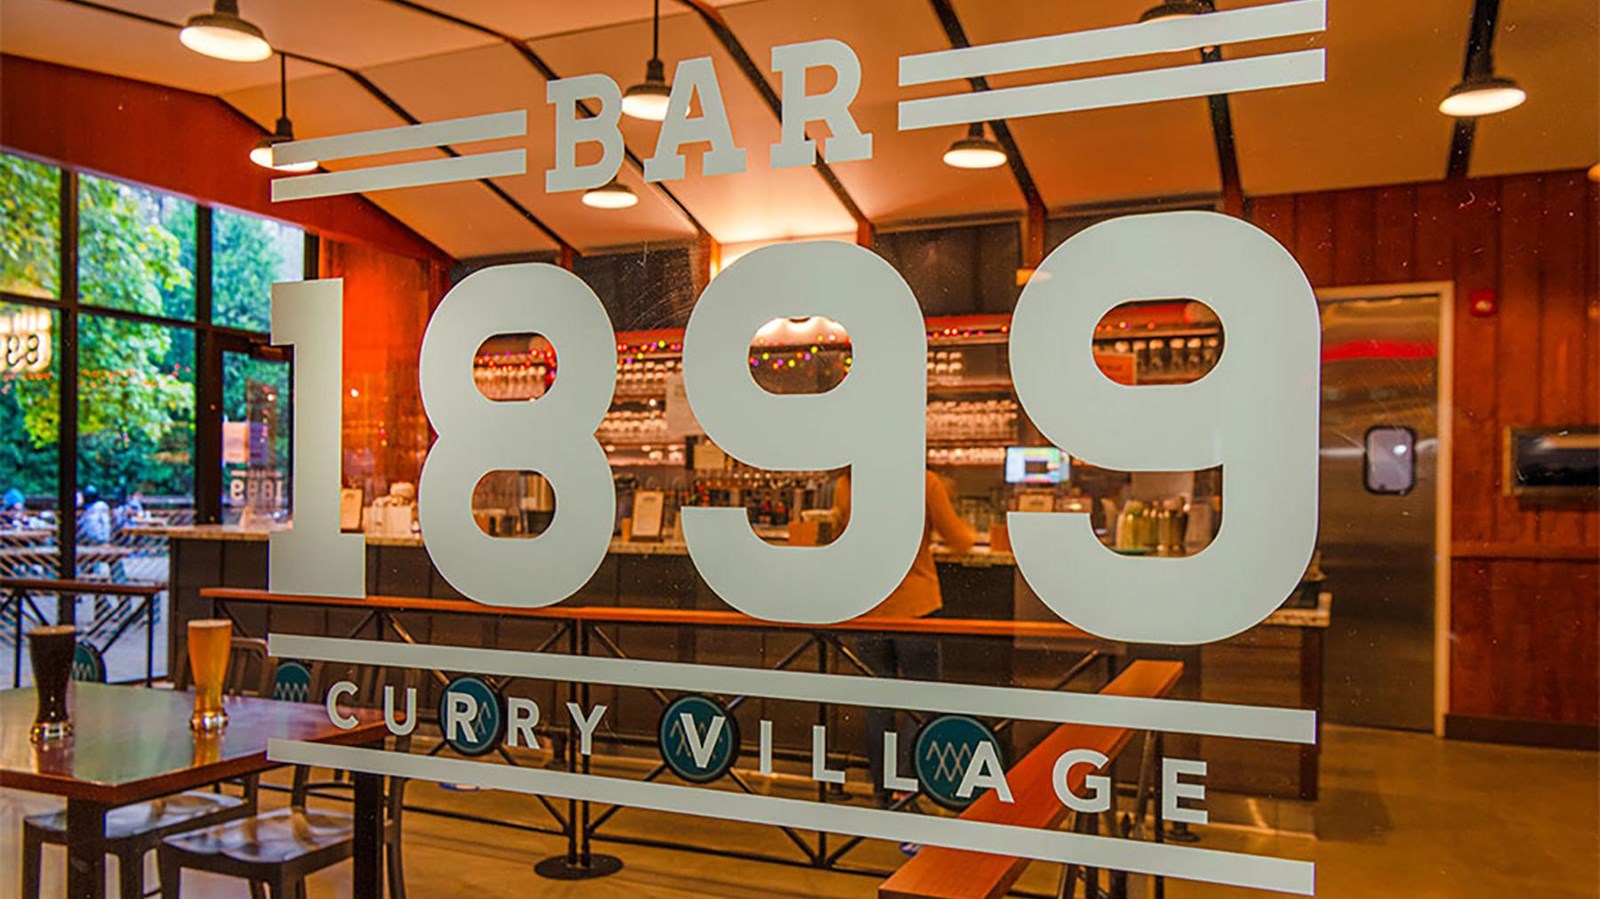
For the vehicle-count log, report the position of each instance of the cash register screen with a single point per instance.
(1034, 465)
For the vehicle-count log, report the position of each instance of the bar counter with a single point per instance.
(978, 557)
(992, 630)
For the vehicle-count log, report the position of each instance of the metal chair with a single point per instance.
(134, 830)
(88, 664)
(280, 848)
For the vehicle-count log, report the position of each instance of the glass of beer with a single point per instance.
(207, 747)
(50, 649)
(210, 641)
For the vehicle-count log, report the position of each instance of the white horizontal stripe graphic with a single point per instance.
(1177, 82)
(1139, 713)
(1163, 36)
(1164, 859)
(406, 137)
(406, 174)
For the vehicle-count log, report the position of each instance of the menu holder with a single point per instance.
(1036, 501)
(352, 501)
(648, 506)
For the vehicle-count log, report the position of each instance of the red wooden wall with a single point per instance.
(196, 146)
(181, 142)
(387, 301)
(1525, 594)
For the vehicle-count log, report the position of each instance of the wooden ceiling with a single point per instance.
(1374, 121)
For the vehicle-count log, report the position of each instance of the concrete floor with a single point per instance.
(1402, 814)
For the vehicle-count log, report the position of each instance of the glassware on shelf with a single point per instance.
(641, 376)
(973, 420)
(513, 376)
(632, 426)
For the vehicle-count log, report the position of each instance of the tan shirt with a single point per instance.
(918, 594)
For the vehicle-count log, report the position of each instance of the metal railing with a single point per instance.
(581, 825)
(126, 604)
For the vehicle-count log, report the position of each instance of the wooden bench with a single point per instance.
(940, 873)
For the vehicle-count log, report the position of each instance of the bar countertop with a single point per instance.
(977, 557)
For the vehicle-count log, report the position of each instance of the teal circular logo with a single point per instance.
(292, 682)
(944, 751)
(472, 716)
(699, 738)
(88, 664)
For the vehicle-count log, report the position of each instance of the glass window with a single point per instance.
(256, 422)
(1391, 459)
(249, 255)
(30, 229)
(29, 452)
(135, 249)
(135, 439)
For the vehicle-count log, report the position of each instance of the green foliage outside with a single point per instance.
(30, 232)
(136, 384)
(248, 255)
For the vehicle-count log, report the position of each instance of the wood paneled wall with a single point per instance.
(1524, 591)
(388, 300)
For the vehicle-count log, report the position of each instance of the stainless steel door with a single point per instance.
(1380, 370)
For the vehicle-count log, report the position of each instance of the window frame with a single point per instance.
(210, 338)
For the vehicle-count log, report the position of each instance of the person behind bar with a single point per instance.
(912, 656)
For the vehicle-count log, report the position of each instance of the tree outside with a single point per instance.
(136, 388)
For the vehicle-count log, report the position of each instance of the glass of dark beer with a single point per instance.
(51, 651)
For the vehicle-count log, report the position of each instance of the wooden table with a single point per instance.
(26, 536)
(132, 744)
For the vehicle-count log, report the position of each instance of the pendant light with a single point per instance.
(975, 151)
(261, 154)
(1482, 93)
(648, 100)
(1173, 9)
(611, 195)
(223, 35)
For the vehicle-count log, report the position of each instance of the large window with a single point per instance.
(136, 249)
(112, 423)
(30, 230)
(136, 423)
(29, 454)
(249, 254)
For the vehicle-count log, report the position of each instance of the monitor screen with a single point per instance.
(1551, 461)
(1035, 465)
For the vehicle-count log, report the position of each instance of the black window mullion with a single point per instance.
(67, 396)
(208, 381)
(313, 257)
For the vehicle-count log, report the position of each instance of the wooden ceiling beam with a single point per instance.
(1222, 137)
(713, 19)
(1033, 222)
(548, 73)
(1479, 60)
(372, 89)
